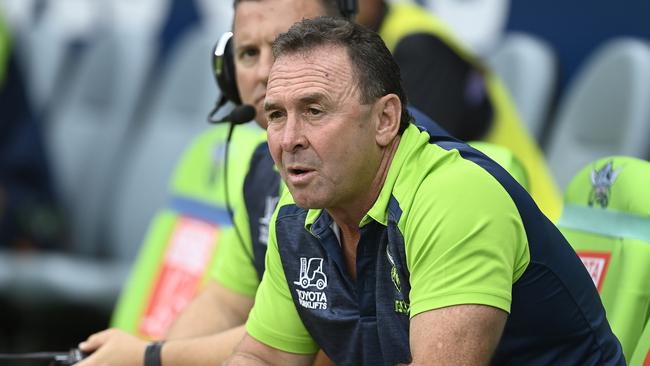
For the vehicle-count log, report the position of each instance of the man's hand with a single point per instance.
(113, 347)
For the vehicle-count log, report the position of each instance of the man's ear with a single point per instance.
(389, 112)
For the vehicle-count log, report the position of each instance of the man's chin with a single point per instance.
(306, 202)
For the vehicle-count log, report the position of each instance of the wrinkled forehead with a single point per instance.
(325, 68)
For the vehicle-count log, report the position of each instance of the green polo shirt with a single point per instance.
(463, 246)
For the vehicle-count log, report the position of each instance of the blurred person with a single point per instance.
(450, 84)
(29, 218)
(401, 245)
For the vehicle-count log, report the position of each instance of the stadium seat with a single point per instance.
(89, 127)
(605, 110)
(211, 10)
(82, 137)
(528, 67)
(180, 104)
(641, 355)
(46, 42)
(606, 219)
(479, 23)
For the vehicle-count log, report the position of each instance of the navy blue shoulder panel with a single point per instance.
(566, 325)
(261, 195)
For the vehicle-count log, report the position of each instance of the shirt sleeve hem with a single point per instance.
(282, 342)
(499, 302)
(236, 285)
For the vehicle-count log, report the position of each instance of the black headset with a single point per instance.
(223, 62)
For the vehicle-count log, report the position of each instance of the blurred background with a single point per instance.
(98, 98)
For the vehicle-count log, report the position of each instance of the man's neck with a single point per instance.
(348, 218)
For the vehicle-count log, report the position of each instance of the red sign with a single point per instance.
(188, 254)
(596, 264)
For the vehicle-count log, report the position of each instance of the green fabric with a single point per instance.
(505, 158)
(449, 262)
(5, 48)
(641, 356)
(234, 267)
(274, 320)
(198, 176)
(620, 230)
(629, 192)
(132, 302)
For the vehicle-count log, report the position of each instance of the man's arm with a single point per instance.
(118, 348)
(456, 335)
(215, 309)
(466, 247)
(215, 318)
(251, 352)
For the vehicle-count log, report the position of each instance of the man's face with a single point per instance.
(321, 137)
(257, 24)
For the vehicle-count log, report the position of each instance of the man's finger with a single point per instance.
(95, 341)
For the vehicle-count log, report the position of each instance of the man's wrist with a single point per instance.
(152, 354)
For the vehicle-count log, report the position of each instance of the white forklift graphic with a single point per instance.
(311, 274)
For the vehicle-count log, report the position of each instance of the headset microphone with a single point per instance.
(239, 115)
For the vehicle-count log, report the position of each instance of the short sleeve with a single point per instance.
(464, 246)
(234, 266)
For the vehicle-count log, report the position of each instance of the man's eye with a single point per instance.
(247, 54)
(273, 116)
(314, 111)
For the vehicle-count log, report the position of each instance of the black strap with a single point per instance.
(152, 354)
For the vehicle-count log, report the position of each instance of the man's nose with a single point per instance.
(293, 134)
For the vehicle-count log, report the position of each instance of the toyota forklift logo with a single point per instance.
(312, 278)
(311, 274)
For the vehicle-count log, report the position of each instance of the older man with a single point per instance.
(398, 245)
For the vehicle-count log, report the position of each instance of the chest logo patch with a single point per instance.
(311, 280)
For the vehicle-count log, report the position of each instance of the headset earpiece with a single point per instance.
(223, 63)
